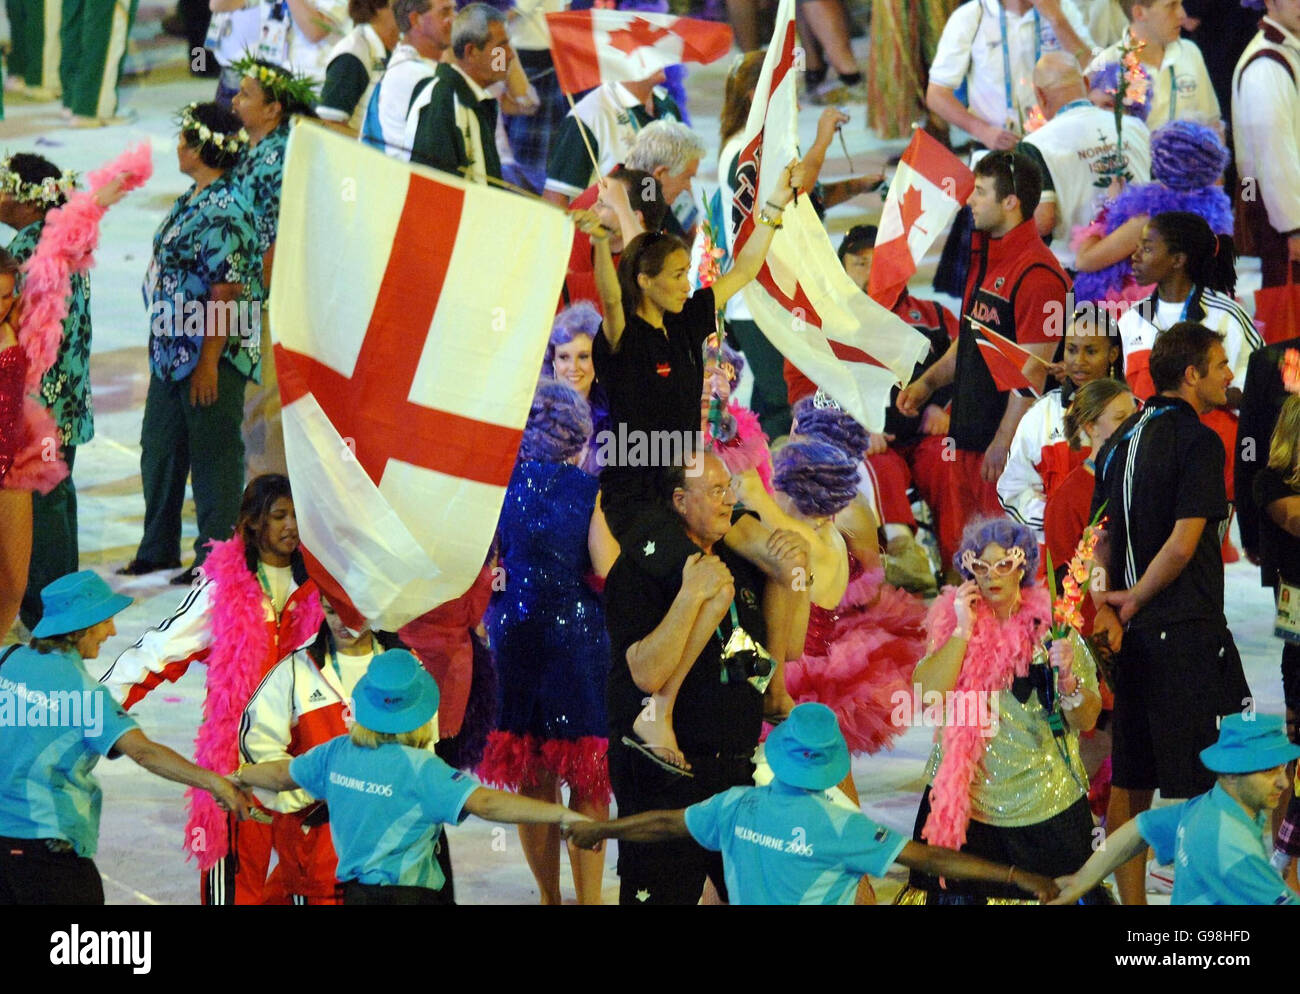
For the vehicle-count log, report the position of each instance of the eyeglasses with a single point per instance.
(1013, 560)
(720, 493)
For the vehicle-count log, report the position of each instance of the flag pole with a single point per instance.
(595, 164)
(989, 331)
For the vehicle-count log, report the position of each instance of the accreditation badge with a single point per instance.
(1287, 624)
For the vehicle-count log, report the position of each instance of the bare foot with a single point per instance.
(654, 728)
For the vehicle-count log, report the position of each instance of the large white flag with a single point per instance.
(409, 333)
(806, 305)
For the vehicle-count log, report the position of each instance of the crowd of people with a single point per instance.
(704, 644)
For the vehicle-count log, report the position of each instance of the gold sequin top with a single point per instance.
(1026, 776)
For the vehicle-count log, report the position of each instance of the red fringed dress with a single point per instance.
(858, 656)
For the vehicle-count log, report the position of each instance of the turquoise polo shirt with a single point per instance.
(56, 722)
(386, 806)
(1219, 850)
(786, 845)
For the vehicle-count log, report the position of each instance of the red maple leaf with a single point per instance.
(910, 210)
(639, 33)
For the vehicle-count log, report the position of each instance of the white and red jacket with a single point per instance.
(297, 706)
(1038, 460)
(1216, 311)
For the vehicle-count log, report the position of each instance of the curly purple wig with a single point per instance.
(1187, 156)
(580, 318)
(982, 532)
(559, 423)
(817, 476)
(830, 424)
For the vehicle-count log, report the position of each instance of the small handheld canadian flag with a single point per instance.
(591, 47)
(930, 185)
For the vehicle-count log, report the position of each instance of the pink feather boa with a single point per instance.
(66, 247)
(748, 449)
(244, 647)
(997, 653)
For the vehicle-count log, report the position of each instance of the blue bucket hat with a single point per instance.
(807, 749)
(1250, 746)
(77, 601)
(396, 695)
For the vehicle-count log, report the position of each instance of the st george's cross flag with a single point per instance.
(928, 188)
(806, 305)
(590, 47)
(409, 332)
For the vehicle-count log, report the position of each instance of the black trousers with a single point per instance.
(31, 874)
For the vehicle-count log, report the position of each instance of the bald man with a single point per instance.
(1077, 152)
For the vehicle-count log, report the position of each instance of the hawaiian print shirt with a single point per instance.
(207, 238)
(258, 173)
(65, 389)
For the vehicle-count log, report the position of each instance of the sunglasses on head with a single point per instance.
(1008, 564)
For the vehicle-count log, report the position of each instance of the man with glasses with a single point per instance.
(696, 644)
(1017, 289)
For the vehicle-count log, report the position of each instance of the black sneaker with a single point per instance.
(185, 579)
(139, 567)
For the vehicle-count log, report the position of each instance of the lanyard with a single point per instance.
(1082, 102)
(1173, 95)
(1012, 106)
(735, 623)
(1129, 434)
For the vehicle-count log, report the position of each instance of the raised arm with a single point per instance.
(749, 260)
(941, 667)
(1098, 253)
(611, 297)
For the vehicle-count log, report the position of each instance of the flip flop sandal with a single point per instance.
(648, 751)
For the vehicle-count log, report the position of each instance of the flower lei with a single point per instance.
(281, 85)
(49, 191)
(225, 142)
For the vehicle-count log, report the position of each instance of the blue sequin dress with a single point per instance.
(547, 629)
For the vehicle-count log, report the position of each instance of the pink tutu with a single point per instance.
(860, 656)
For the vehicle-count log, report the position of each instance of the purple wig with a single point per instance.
(559, 423)
(579, 318)
(1187, 156)
(817, 476)
(982, 532)
(830, 424)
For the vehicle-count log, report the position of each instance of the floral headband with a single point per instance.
(49, 191)
(225, 141)
(281, 85)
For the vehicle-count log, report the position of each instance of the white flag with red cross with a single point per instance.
(931, 184)
(803, 301)
(409, 333)
(590, 47)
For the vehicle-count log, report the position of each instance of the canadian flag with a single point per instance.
(929, 186)
(591, 47)
(409, 333)
(803, 301)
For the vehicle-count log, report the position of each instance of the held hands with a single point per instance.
(1043, 888)
(964, 605)
(706, 578)
(583, 833)
(231, 798)
(1070, 891)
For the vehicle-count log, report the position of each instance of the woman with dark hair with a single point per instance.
(1187, 164)
(1195, 277)
(1041, 453)
(547, 628)
(1006, 778)
(355, 63)
(568, 359)
(206, 266)
(860, 653)
(253, 605)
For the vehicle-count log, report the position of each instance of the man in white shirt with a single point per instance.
(1266, 133)
(992, 46)
(426, 35)
(1181, 87)
(1078, 153)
